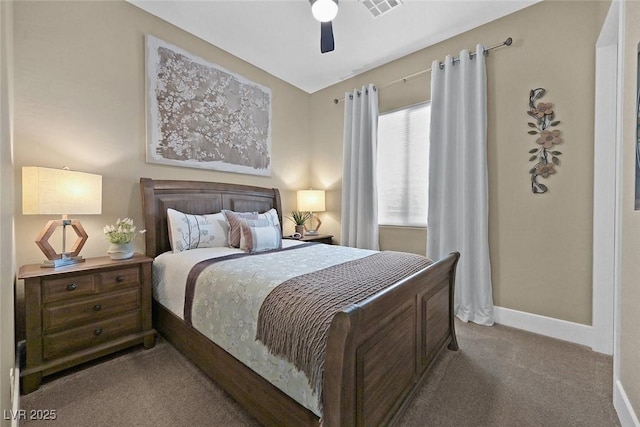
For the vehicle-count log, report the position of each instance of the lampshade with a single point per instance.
(311, 200)
(324, 10)
(47, 191)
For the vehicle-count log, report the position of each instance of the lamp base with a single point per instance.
(314, 231)
(61, 262)
(56, 259)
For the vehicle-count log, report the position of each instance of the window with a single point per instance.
(403, 166)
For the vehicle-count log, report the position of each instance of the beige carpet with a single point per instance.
(500, 377)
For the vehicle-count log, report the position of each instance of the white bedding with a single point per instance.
(170, 268)
(228, 295)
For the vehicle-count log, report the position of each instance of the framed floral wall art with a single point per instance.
(200, 115)
(545, 154)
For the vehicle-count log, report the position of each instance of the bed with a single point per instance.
(378, 351)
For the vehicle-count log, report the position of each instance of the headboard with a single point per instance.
(198, 198)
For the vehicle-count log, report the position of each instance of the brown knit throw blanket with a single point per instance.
(294, 319)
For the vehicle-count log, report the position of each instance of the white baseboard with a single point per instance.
(15, 385)
(626, 414)
(555, 328)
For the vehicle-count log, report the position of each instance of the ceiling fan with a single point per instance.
(324, 11)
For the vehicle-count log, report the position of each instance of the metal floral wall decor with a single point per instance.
(545, 154)
(202, 116)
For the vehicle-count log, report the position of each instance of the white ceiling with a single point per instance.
(282, 37)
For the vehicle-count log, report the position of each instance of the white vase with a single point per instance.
(120, 250)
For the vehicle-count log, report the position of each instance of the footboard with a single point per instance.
(379, 350)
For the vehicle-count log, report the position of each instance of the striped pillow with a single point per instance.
(233, 220)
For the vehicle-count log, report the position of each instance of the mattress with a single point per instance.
(228, 294)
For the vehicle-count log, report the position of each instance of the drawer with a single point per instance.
(116, 279)
(69, 287)
(89, 310)
(66, 342)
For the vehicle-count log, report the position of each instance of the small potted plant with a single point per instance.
(300, 220)
(121, 236)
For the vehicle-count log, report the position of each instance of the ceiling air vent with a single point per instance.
(380, 7)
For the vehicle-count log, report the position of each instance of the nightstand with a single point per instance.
(320, 238)
(77, 313)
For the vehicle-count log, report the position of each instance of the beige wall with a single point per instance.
(406, 239)
(7, 259)
(541, 245)
(80, 102)
(630, 286)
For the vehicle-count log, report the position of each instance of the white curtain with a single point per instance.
(458, 186)
(359, 196)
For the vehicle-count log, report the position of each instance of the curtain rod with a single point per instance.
(404, 79)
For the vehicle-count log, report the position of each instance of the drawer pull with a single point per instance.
(120, 279)
(97, 332)
(97, 307)
(72, 287)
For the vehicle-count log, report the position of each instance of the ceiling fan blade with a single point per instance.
(326, 37)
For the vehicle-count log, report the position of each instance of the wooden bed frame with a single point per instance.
(378, 351)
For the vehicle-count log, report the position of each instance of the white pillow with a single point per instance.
(188, 231)
(271, 215)
(257, 235)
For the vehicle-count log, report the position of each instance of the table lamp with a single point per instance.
(311, 201)
(47, 191)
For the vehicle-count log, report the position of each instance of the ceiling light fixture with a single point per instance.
(324, 10)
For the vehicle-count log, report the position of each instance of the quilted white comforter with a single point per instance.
(227, 296)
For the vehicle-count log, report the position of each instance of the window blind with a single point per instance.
(403, 166)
